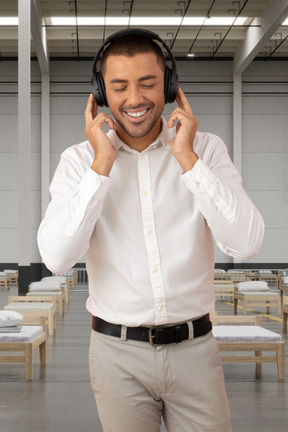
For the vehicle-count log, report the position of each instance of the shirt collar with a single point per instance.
(164, 138)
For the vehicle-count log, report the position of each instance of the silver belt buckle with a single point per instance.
(151, 336)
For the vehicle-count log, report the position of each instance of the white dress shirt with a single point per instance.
(147, 229)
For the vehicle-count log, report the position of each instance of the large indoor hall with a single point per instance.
(144, 217)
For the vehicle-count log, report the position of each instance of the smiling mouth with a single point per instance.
(136, 114)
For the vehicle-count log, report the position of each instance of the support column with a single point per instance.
(24, 142)
(45, 146)
(237, 121)
(38, 31)
(237, 131)
(45, 152)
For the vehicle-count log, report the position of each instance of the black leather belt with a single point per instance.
(155, 335)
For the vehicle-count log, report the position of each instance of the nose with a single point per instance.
(134, 96)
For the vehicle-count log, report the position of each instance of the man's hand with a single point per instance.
(105, 152)
(182, 145)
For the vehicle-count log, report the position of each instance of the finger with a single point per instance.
(91, 109)
(102, 118)
(182, 101)
(178, 114)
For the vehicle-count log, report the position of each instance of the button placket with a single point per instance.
(151, 243)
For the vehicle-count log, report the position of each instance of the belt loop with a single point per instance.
(123, 336)
(191, 330)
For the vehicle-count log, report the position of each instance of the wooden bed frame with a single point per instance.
(223, 288)
(265, 299)
(26, 348)
(49, 314)
(285, 315)
(250, 346)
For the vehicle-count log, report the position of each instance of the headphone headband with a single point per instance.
(171, 76)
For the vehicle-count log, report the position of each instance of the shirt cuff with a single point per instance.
(200, 179)
(202, 182)
(91, 182)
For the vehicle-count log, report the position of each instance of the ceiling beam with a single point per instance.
(39, 36)
(260, 33)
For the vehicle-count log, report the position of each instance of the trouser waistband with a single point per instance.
(159, 335)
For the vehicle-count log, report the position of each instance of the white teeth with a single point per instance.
(137, 114)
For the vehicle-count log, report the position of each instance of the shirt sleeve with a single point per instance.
(236, 224)
(77, 194)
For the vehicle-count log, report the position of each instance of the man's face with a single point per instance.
(135, 94)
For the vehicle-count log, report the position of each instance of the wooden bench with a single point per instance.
(224, 288)
(235, 276)
(257, 298)
(37, 307)
(283, 287)
(63, 284)
(31, 336)
(245, 334)
(13, 275)
(285, 314)
(4, 280)
(270, 278)
(56, 297)
(219, 274)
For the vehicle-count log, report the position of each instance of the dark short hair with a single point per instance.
(131, 45)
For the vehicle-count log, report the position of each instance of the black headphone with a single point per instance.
(170, 77)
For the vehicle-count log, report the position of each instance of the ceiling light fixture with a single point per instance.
(137, 21)
(8, 21)
(147, 21)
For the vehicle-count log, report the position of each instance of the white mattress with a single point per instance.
(44, 288)
(45, 293)
(27, 334)
(257, 293)
(241, 333)
(26, 306)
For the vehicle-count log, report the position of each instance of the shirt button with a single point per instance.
(160, 308)
(145, 193)
(143, 157)
(155, 270)
(149, 232)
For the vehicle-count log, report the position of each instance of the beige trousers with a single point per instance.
(135, 383)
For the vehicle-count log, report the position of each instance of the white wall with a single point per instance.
(209, 88)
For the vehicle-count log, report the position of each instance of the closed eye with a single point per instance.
(121, 89)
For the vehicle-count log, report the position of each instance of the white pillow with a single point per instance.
(10, 318)
(61, 279)
(253, 286)
(235, 271)
(45, 286)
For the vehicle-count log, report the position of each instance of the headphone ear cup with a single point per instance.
(170, 84)
(98, 89)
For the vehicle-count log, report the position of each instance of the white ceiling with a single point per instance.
(264, 19)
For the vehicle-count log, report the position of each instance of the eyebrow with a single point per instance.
(145, 78)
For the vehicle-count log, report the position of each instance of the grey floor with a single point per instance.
(60, 399)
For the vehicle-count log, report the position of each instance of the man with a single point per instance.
(142, 201)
